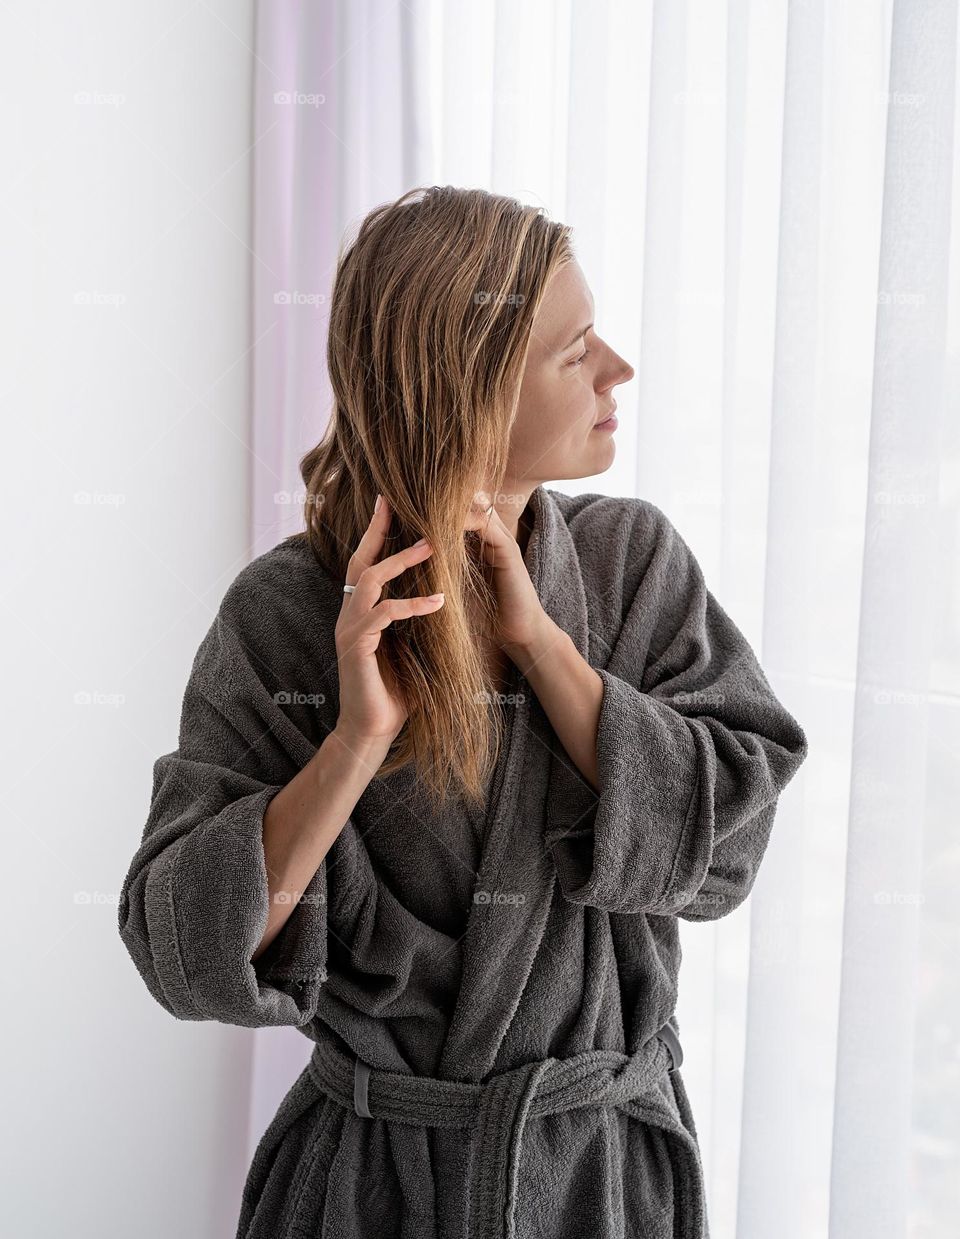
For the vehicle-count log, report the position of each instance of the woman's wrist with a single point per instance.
(529, 655)
(354, 745)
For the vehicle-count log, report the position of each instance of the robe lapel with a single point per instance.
(514, 887)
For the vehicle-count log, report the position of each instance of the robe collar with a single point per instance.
(500, 945)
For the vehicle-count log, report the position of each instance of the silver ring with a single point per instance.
(348, 589)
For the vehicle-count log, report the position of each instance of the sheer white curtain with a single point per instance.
(762, 197)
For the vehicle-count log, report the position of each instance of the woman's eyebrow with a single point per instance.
(573, 339)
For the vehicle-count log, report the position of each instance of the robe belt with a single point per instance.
(497, 1109)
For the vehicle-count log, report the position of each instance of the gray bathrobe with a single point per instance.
(491, 996)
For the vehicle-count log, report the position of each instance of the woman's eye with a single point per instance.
(578, 360)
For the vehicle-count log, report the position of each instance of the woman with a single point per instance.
(452, 763)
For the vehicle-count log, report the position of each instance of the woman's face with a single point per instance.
(567, 389)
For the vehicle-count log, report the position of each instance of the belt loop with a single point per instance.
(361, 1078)
(667, 1034)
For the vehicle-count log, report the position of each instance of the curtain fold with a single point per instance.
(762, 198)
(884, 1052)
(776, 1192)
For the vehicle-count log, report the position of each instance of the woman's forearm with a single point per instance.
(569, 690)
(302, 821)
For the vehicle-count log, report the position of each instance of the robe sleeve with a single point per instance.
(693, 751)
(193, 905)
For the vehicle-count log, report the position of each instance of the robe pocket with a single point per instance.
(308, 1194)
(660, 1227)
(288, 1168)
(648, 1190)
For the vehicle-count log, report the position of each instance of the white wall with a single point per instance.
(125, 224)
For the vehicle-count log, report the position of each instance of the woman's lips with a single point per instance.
(609, 423)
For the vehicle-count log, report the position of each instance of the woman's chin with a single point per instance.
(590, 463)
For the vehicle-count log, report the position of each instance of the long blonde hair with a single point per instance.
(430, 325)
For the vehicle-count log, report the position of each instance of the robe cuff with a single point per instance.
(206, 901)
(634, 845)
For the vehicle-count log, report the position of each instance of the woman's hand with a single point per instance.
(372, 710)
(521, 620)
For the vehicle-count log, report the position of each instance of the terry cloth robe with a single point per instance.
(491, 997)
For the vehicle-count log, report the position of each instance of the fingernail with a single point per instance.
(376, 506)
(422, 542)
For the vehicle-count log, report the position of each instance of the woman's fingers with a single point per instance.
(371, 545)
(370, 701)
(372, 580)
(384, 613)
(367, 573)
(371, 623)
